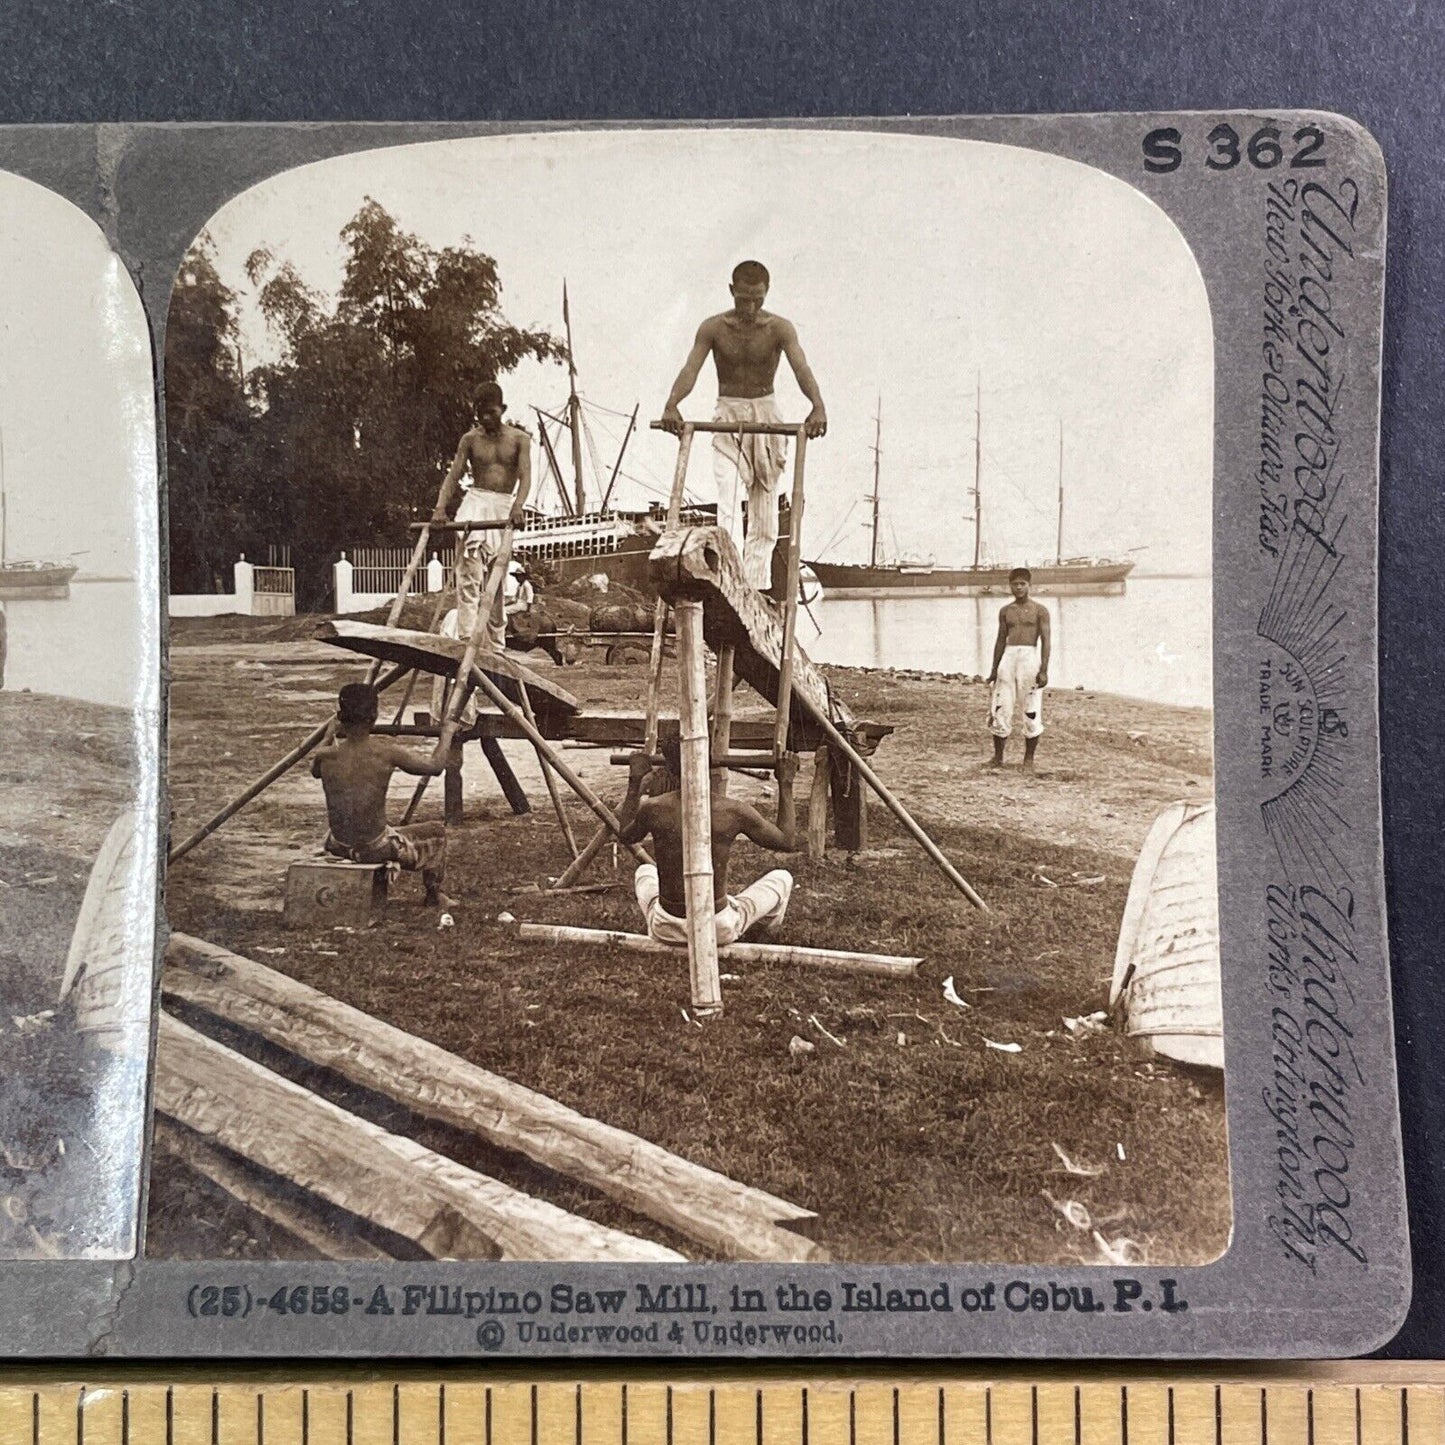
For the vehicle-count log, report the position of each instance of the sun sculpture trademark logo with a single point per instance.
(1291, 720)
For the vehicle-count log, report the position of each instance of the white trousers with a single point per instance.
(482, 549)
(1017, 690)
(764, 902)
(752, 471)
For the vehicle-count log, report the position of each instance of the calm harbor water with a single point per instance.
(1152, 642)
(96, 644)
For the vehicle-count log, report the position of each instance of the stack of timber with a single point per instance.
(269, 1196)
(448, 1211)
(1166, 967)
(731, 1220)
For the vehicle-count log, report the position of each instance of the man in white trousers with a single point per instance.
(1020, 669)
(499, 458)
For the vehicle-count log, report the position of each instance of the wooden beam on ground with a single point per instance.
(882, 963)
(703, 562)
(447, 1210)
(263, 1194)
(431, 652)
(734, 1220)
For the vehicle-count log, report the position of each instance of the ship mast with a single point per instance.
(574, 410)
(1059, 548)
(977, 469)
(877, 456)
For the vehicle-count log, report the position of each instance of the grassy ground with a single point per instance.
(906, 1131)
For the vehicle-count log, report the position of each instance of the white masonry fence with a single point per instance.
(371, 576)
(260, 591)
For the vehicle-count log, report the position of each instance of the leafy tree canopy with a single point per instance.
(343, 434)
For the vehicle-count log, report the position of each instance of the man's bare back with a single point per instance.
(355, 772)
(731, 819)
(661, 817)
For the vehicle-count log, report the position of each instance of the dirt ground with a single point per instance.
(911, 1136)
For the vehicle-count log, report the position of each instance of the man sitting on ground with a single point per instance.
(661, 895)
(355, 770)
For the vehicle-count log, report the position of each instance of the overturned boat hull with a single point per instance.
(1166, 981)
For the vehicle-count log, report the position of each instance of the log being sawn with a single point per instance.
(703, 563)
(431, 652)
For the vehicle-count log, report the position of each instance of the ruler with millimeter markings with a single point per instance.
(1360, 1404)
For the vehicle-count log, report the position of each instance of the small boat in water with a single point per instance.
(1166, 984)
(29, 581)
(35, 581)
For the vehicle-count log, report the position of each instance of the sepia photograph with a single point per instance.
(80, 641)
(691, 709)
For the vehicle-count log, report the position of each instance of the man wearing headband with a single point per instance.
(1020, 669)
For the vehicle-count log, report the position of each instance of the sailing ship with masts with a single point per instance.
(903, 578)
(574, 527)
(28, 581)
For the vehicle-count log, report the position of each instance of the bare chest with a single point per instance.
(486, 452)
(1022, 622)
(747, 346)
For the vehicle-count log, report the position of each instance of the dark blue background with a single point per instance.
(1380, 61)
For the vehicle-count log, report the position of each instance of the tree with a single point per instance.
(206, 420)
(351, 423)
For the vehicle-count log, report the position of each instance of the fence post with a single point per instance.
(245, 575)
(341, 574)
(436, 575)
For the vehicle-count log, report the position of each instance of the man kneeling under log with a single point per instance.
(661, 894)
(355, 771)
